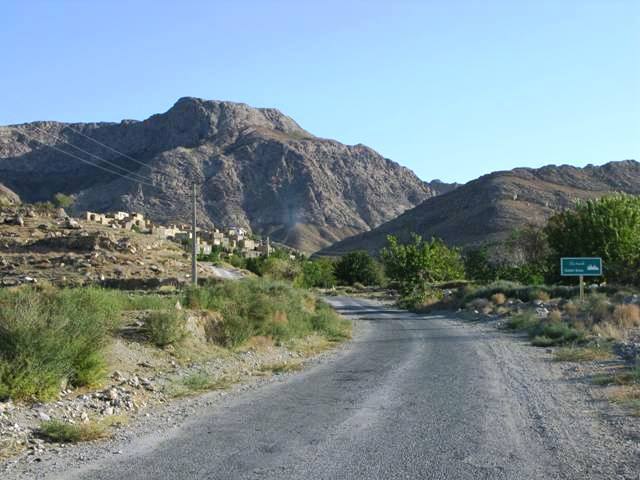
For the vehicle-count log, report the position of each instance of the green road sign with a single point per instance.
(580, 266)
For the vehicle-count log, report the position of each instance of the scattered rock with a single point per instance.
(44, 417)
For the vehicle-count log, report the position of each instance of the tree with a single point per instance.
(60, 200)
(358, 267)
(478, 266)
(318, 273)
(419, 261)
(608, 227)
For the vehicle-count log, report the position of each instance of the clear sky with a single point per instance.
(451, 89)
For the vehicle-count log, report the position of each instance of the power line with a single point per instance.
(118, 152)
(115, 165)
(83, 159)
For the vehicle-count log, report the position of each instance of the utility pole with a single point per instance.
(194, 246)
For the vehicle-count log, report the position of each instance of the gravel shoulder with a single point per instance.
(411, 396)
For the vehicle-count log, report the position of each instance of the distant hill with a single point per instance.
(490, 207)
(255, 168)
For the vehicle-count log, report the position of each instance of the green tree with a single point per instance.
(478, 266)
(60, 200)
(419, 261)
(318, 273)
(608, 227)
(358, 267)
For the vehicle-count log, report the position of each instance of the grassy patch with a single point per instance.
(262, 307)
(551, 334)
(522, 321)
(544, 333)
(583, 354)
(628, 397)
(625, 377)
(199, 382)
(62, 432)
(283, 367)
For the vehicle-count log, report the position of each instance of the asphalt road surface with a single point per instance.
(412, 397)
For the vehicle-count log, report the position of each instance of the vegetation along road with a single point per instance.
(412, 396)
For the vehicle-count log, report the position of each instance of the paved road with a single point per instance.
(413, 397)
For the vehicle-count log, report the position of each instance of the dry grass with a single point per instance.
(282, 367)
(62, 432)
(198, 383)
(498, 298)
(626, 316)
(257, 343)
(280, 318)
(10, 447)
(622, 377)
(310, 345)
(627, 396)
(609, 331)
(572, 310)
(577, 354)
(542, 295)
(555, 316)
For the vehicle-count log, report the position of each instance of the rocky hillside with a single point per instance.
(488, 208)
(255, 168)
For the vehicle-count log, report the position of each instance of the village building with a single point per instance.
(232, 239)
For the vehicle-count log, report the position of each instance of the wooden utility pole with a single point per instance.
(194, 245)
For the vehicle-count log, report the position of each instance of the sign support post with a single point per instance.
(582, 288)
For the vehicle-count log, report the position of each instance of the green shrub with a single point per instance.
(608, 227)
(260, 306)
(50, 336)
(522, 321)
(420, 261)
(358, 267)
(318, 273)
(549, 334)
(60, 200)
(165, 327)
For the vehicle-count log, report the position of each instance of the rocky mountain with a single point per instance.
(254, 167)
(490, 207)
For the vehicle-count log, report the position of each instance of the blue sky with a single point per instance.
(451, 89)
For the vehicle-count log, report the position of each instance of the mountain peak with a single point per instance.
(224, 115)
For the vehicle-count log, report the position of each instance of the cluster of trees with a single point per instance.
(608, 227)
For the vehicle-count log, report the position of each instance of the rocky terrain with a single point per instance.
(255, 168)
(148, 387)
(490, 207)
(45, 245)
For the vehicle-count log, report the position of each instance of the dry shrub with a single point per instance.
(598, 308)
(624, 393)
(259, 342)
(555, 316)
(498, 298)
(280, 318)
(572, 310)
(608, 330)
(578, 325)
(626, 316)
(542, 295)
